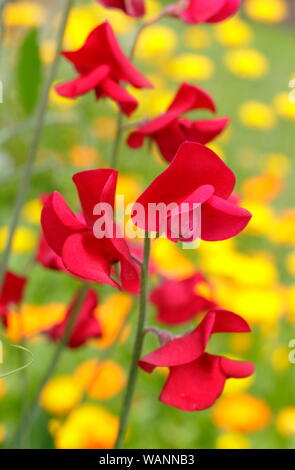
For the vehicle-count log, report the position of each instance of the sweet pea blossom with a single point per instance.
(135, 8)
(86, 326)
(169, 130)
(71, 235)
(178, 301)
(196, 378)
(204, 11)
(196, 176)
(12, 291)
(102, 65)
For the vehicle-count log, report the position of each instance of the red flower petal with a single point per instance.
(95, 186)
(222, 219)
(200, 11)
(230, 8)
(47, 257)
(58, 222)
(125, 101)
(81, 85)
(133, 8)
(229, 322)
(12, 290)
(202, 131)
(236, 369)
(84, 256)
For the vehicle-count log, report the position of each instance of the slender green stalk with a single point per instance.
(142, 28)
(117, 141)
(137, 345)
(31, 410)
(31, 157)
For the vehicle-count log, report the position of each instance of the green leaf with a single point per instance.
(29, 72)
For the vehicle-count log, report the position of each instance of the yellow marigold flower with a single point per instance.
(233, 32)
(2, 433)
(26, 14)
(235, 386)
(104, 127)
(283, 228)
(284, 106)
(32, 211)
(285, 421)
(246, 63)
(112, 313)
(87, 427)
(264, 188)
(47, 51)
(60, 395)
(53, 426)
(61, 101)
(32, 319)
(83, 156)
(280, 359)
(264, 219)
(152, 8)
(267, 11)
(241, 413)
(156, 42)
(190, 67)
(232, 440)
(240, 343)
(24, 240)
(129, 187)
(101, 380)
(2, 388)
(277, 164)
(170, 261)
(83, 19)
(197, 37)
(257, 115)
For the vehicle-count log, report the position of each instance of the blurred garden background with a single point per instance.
(247, 65)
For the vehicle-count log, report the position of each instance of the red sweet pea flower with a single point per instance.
(196, 379)
(47, 257)
(101, 65)
(130, 7)
(71, 236)
(12, 291)
(178, 301)
(169, 130)
(204, 11)
(86, 326)
(196, 175)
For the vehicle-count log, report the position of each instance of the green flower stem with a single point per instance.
(117, 141)
(32, 153)
(142, 28)
(31, 410)
(138, 343)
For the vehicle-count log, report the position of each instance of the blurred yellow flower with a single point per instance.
(152, 8)
(284, 228)
(83, 19)
(112, 313)
(263, 220)
(101, 380)
(246, 63)
(83, 156)
(264, 188)
(61, 395)
(285, 421)
(277, 164)
(241, 413)
(32, 211)
(32, 319)
(267, 11)
(233, 32)
(197, 37)
(2, 388)
(47, 51)
(280, 359)
(28, 14)
(87, 427)
(104, 128)
(232, 440)
(156, 42)
(24, 240)
(236, 386)
(129, 187)
(291, 304)
(240, 343)
(284, 106)
(257, 115)
(189, 67)
(2, 433)
(170, 261)
(290, 262)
